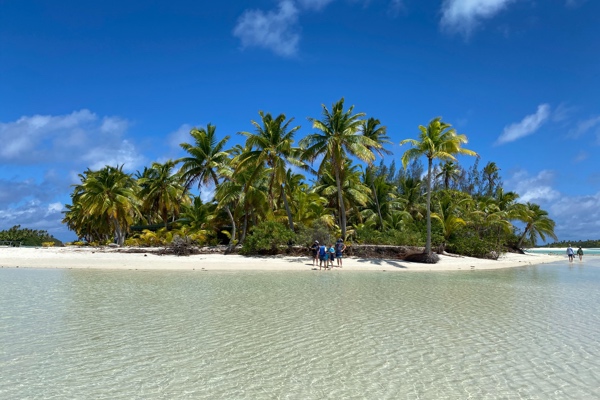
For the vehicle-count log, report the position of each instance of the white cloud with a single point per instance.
(464, 16)
(77, 138)
(527, 126)
(535, 189)
(576, 217)
(585, 126)
(181, 135)
(274, 30)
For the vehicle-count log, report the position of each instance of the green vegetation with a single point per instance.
(589, 244)
(269, 193)
(16, 236)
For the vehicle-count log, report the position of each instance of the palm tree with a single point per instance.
(410, 194)
(490, 172)
(437, 141)
(537, 224)
(206, 158)
(339, 136)
(355, 194)
(109, 194)
(271, 147)
(448, 212)
(162, 191)
(449, 172)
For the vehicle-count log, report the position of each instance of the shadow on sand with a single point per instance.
(381, 263)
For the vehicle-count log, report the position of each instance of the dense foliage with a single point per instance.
(590, 244)
(16, 236)
(269, 192)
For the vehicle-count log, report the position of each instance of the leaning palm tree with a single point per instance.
(537, 224)
(438, 140)
(338, 138)
(271, 147)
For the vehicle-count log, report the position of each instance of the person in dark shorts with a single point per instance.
(339, 249)
(331, 255)
(322, 257)
(570, 253)
(314, 251)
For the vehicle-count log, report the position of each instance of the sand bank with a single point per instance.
(107, 258)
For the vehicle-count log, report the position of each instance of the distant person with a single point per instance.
(322, 257)
(580, 253)
(331, 254)
(570, 253)
(339, 249)
(314, 250)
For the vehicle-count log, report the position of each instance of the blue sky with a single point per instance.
(86, 84)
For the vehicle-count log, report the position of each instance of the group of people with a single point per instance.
(571, 253)
(325, 255)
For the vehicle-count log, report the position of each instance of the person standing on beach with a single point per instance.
(314, 249)
(331, 255)
(322, 256)
(580, 253)
(570, 253)
(339, 249)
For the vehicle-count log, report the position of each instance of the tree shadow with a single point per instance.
(382, 263)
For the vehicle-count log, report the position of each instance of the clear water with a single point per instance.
(563, 252)
(526, 333)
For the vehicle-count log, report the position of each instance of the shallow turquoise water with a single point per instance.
(526, 333)
(562, 252)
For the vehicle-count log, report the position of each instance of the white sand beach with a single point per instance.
(109, 258)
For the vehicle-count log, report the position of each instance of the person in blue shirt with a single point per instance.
(322, 256)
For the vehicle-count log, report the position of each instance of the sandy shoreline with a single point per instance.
(106, 258)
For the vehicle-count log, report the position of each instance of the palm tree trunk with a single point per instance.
(377, 204)
(232, 240)
(342, 207)
(522, 237)
(287, 208)
(428, 244)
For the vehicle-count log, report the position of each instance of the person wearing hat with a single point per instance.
(339, 249)
(314, 249)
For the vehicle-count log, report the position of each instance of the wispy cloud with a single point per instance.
(527, 126)
(395, 7)
(576, 216)
(273, 30)
(585, 126)
(536, 189)
(574, 3)
(314, 4)
(463, 16)
(80, 137)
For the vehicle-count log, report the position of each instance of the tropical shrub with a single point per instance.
(467, 243)
(266, 238)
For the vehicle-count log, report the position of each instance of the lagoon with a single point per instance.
(518, 333)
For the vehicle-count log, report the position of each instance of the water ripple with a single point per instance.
(529, 333)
